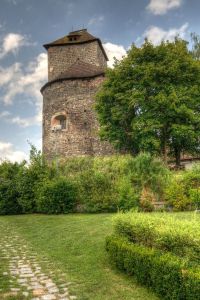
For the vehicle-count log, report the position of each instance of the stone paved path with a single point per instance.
(27, 277)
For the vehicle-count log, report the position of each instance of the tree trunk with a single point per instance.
(164, 143)
(164, 151)
(178, 157)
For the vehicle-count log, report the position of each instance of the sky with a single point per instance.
(25, 25)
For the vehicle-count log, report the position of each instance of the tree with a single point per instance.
(195, 41)
(150, 101)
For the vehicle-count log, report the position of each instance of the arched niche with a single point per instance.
(59, 120)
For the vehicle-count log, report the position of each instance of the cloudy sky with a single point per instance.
(25, 25)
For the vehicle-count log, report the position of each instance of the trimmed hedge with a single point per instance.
(165, 233)
(166, 274)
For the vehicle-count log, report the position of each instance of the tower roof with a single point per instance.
(76, 37)
(79, 70)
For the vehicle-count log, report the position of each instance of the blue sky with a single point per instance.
(25, 25)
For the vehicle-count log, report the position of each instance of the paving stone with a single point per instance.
(5, 273)
(22, 280)
(15, 289)
(48, 297)
(50, 284)
(38, 292)
(53, 290)
(27, 272)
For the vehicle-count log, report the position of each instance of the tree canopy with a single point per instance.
(150, 101)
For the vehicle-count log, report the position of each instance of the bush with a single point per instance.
(166, 274)
(183, 190)
(146, 200)
(96, 192)
(104, 183)
(128, 197)
(149, 172)
(29, 179)
(165, 233)
(176, 197)
(9, 194)
(56, 196)
(195, 197)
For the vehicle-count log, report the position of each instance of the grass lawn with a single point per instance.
(74, 247)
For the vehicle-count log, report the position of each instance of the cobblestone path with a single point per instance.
(25, 275)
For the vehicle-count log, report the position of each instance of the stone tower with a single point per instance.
(76, 65)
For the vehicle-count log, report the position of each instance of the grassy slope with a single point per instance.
(75, 245)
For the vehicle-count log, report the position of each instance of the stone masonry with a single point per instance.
(76, 65)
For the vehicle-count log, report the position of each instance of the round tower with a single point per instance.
(76, 65)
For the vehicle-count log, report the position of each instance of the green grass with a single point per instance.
(75, 246)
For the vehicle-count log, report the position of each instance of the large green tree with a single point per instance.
(150, 101)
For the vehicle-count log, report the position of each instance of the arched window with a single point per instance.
(59, 120)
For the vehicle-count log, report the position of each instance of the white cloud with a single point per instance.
(14, 80)
(161, 7)
(26, 122)
(11, 43)
(9, 74)
(96, 20)
(113, 50)
(7, 152)
(5, 114)
(156, 34)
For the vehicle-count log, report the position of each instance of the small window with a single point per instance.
(73, 38)
(61, 121)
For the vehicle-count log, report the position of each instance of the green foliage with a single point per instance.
(150, 100)
(166, 274)
(56, 196)
(29, 179)
(163, 232)
(195, 197)
(160, 250)
(150, 172)
(146, 201)
(176, 197)
(96, 192)
(128, 197)
(183, 190)
(9, 193)
(104, 183)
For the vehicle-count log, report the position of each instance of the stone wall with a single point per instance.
(60, 58)
(75, 99)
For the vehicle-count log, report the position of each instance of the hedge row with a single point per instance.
(166, 274)
(165, 233)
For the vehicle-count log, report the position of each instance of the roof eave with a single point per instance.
(70, 78)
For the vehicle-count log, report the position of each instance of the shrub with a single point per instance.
(96, 192)
(150, 173)
(128, 197)
(166, 274)
(194, 195)
(165, 233)
(176, 197)
(146, 200)
(9, 194)
(56, 196)
(183, 190)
